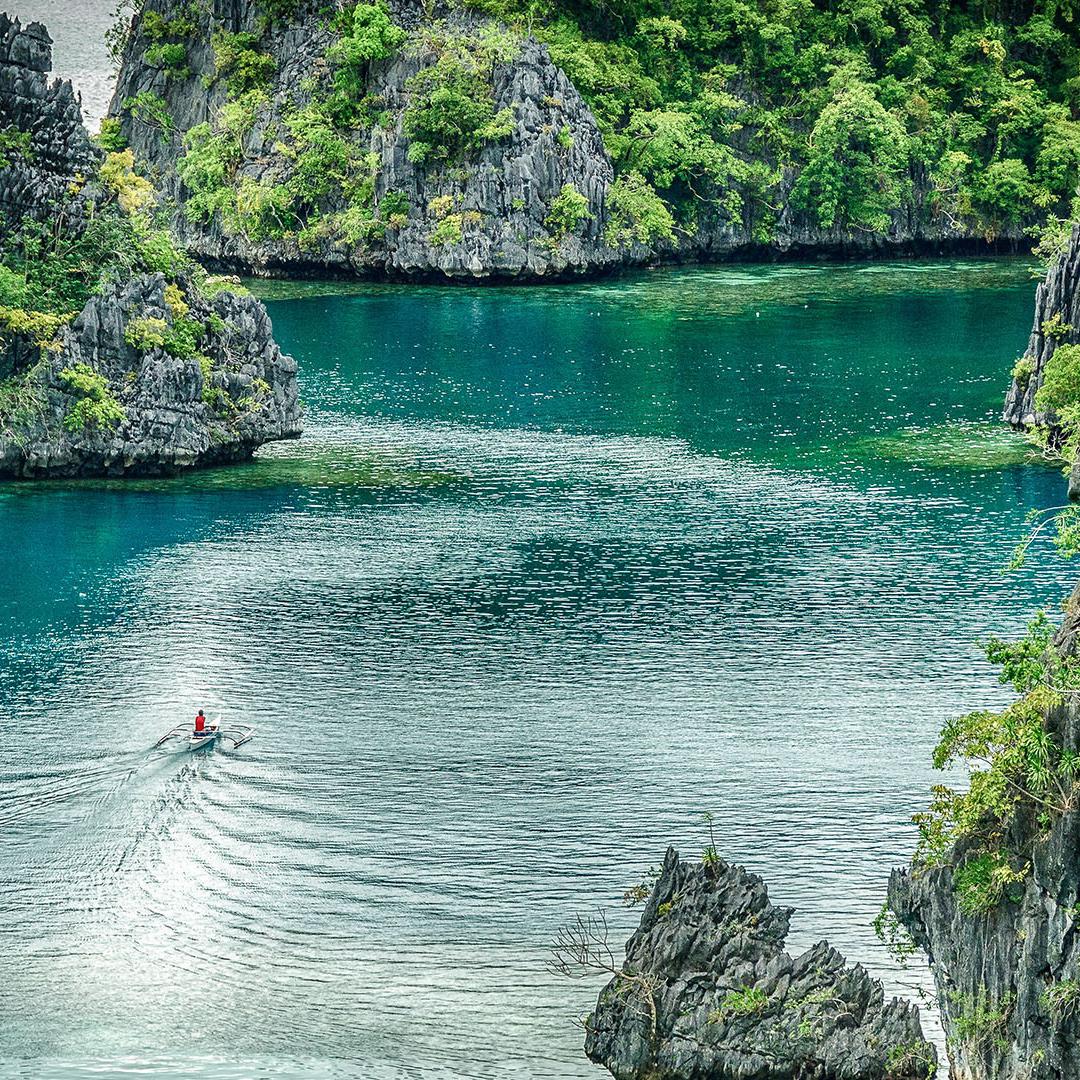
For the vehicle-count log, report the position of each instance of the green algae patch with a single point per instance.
(954, 446)
(303, 467)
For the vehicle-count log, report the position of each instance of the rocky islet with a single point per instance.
(158, 370)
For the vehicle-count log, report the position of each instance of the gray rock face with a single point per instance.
(992, 970)
(171, 408)
(708, 993)
(33, 182)
(175, 414)
(503, 192)
(1057, 322)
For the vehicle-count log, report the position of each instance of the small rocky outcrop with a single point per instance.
(36, 176)
(156, 371)
(1008, 979)
(1057, 322)
(163, 413)
(707, 991)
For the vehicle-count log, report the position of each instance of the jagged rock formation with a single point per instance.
(156, 372)
(1008, 979)
(707, 991)
(172, 415)
(492, 213)
(496, 205)
(1057, 322)
(34, 183)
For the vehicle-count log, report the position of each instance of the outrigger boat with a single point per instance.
(237, 734)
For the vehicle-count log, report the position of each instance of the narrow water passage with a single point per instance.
(552, 573)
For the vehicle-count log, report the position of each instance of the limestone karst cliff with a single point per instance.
(1056, 322)
(1007, 972)
(707, 991)
(117, 354)
(431, 141)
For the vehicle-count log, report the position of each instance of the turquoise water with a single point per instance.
(553, 572)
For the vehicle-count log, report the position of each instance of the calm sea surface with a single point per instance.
(553, 572)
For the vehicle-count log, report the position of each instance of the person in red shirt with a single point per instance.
(200, 721)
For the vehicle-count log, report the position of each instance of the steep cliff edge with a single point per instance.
(117, 354)
(284, 143)
(998, 914)
(707, 990)
(420, 141)
(1044, 395)
(1057, 322)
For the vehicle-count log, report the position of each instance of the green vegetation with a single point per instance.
(742, 1002)
(240, 62)
(710, 857)
(367, 35)
(448, 231)
(451, 111)
(152, 111)
(1022, 768)
(48, 271)
(982, 882)
(323, 187)
(179, 338)
(711, 110)
(894, 936)
(639, 893)
(134, 193)
(94, 405)
(1022, 371)
(1061, 999)
(569, 209)
(171, 58)
(14, 144)
(977, 1023)
(45, 270)
(279, 10)
(637, 213)
(40, 327)
(22, 401)
(110, 137)
(710, 103)
(1058, 397)
(910, 1059)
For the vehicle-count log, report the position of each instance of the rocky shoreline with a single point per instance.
(118, 356)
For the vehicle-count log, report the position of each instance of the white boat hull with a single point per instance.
(237, 734)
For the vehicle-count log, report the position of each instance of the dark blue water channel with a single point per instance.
(553, 572)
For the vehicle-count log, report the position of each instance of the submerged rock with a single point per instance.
(707, 991)
(154, 371)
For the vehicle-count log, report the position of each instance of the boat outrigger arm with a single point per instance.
(237, 734)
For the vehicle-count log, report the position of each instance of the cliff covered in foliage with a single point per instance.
(707, 990)
(117, 353)
(1044, 396)
(491, 139)
(993, 896)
